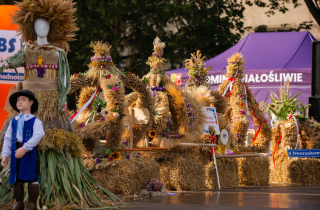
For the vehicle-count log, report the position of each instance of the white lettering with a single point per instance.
(264, 77)
(287, 77)
(299, 75)
(257, 78)
(251, 78)
(276, 79)
(271, 76)
(214, 79)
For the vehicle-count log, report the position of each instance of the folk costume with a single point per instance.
(25, 130)
(46, 73)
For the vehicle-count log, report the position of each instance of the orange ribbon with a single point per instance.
(255, 116)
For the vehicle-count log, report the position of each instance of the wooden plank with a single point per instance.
(153, 148)
(130, 150)
(197, 144)
(240, 156)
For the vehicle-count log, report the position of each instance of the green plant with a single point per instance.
(284, 104)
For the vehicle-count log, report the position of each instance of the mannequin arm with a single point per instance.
(14, 61)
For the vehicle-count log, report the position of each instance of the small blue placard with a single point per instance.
(303, 153)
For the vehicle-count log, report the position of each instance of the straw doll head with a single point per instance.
(59, 14)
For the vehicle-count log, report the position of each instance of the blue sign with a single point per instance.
(11, 76)
(303, 153)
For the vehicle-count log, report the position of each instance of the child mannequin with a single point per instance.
(20, 141)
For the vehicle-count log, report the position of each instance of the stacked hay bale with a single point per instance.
(124, 177)
(302, 171)
(253, 170)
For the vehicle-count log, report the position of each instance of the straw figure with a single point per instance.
(243, 105)
(198, 85)
(178, 114)
(46, 26)
(92, 123)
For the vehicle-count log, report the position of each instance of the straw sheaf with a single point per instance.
(60, 140)
(84, 97)
(101, 48)
(132, 99)
(162, 106)
(205, 95)
(183, 174)
(81, 81)
(240, 121)
(253, 170)
(124, 177)
(156, 62)
(314, 138)
(301, 171)
(180, 120)
(154, 80)
(59, 13)
(262, 142)
(48, 105)
(112, 126)
(228, 173)
(144, 100)
(220, 102)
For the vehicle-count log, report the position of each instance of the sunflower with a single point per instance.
(152, 134)
(115, 155)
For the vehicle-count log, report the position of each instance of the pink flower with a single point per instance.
(201, 94)
(115, 88)
(242, 111)
(76, 74)
(241, 96)
(116, 114)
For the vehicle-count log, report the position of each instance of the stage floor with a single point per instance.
(242, 198)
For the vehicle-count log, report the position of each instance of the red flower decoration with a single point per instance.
(108, 76)
(76, 74)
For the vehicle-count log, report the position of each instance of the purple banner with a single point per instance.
(261, 78)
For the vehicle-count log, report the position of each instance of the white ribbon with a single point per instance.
(297, 130)
(85, 106)
(225, 91)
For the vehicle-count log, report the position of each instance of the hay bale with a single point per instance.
(301, 171)
(228, 173)
(253, 170)
(127, 177)
(182, 174)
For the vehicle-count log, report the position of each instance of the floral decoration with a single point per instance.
(117, 113)
(115, 87)
(190, 113)
(197, 71)
(154, 185)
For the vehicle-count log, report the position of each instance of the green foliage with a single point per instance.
(131, 26)
(145, 81)
(285, 104)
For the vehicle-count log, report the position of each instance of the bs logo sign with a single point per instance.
(6, 44)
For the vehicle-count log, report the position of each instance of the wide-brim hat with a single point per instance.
(14, 97)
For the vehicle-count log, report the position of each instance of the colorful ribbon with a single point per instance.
(74, 117)
(229, 87)
(261, 122)
(274, 163)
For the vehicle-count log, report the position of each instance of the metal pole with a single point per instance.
(215, 162)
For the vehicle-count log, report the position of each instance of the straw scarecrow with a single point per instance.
(64, 179)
